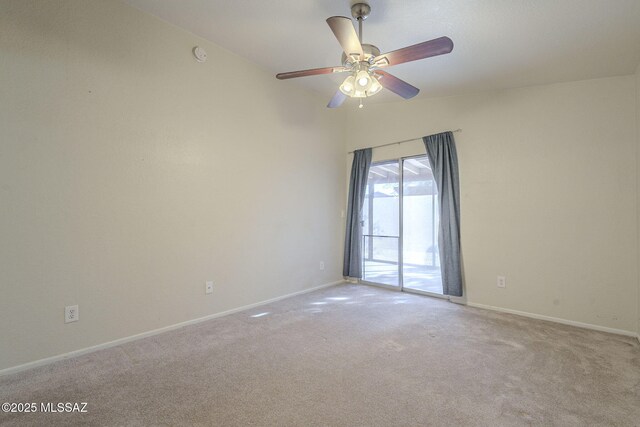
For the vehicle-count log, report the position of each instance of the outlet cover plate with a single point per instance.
(502, 282)
(208, 288)
(71, 314)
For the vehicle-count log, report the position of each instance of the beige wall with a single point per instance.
(130, 174)
(548, 192)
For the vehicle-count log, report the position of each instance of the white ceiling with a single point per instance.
(498, 43)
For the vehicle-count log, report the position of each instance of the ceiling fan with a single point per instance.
(365, 64)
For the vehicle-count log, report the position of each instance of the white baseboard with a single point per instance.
(75, 353)
(556, 320)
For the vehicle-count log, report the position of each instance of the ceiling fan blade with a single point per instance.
(397, 86)
(337, 100)
(342, 28)
(311, 72)
(434, 47)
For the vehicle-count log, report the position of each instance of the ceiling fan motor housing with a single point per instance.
(370, 51)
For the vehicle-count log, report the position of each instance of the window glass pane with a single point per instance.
(420, 255)
(381, 224)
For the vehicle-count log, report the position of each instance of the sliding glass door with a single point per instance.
(400, 227)
(381, 225)
(421, 261)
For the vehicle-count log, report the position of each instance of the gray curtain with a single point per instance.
(441, 149)
(353, 239)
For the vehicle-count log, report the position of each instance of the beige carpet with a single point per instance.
(349, 355)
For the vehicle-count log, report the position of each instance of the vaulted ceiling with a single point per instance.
(498, 43)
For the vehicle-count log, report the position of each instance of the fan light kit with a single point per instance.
(364, 62)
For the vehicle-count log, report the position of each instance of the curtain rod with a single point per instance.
(399, 142)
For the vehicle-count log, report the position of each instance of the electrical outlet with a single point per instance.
(502, 282)
(321, 265)
(71, 314)
(208, 288)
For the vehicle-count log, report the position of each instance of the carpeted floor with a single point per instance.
(349, 355)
